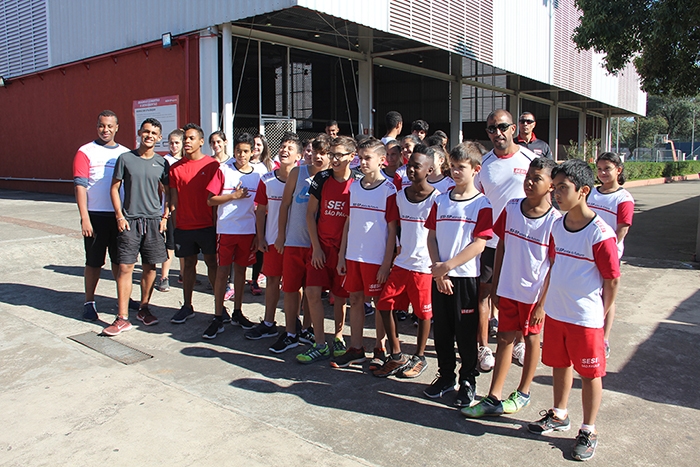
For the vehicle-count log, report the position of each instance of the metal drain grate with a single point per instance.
(111, 348)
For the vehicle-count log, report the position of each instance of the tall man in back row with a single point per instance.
(527, 139)
(93, 166)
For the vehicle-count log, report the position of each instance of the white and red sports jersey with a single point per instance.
(615, 208)
(456, 225)
(95, 163)
(396, 179)
(443, 185)
(501, 179)
(261, 168)
(583, 259)
(401, 172)
(236, 216)
(526, 257)
(414, 254)
(270, 190)
(371, 210)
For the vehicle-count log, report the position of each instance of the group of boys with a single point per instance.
(492, 239)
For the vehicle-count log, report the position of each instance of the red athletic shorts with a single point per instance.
(362, 277)
(294, 261)
(403, 285)
(515, 316)
(272, 262)
(568, 344)
(326, 277)
(234, 248)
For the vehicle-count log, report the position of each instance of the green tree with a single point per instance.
(661, 37)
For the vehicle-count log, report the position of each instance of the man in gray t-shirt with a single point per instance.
(144, 176)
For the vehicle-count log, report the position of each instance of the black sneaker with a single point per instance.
(238, 319)
(261, 331)
(369, 309)
(440, 386)
(307, 336)
(414, 320)
(90, 312)
(465, 395)
(225, 317)
(585, 445)
(216, 327)
(185, 313)
(549, 423)
(284, 342)
(350, 357)
(162, 284)
(402, 315)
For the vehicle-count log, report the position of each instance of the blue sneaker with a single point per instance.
(90, 312)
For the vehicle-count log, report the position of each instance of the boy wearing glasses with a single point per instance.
(329, 205)
(501, 179)
(527, 139)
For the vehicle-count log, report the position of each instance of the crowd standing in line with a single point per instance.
(469, 239)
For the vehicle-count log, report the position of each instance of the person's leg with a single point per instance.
(313, 296)
(238, 284)
(562, 380)
(503, 361)
(422, 336)
(532, 359)
(124, 287)
(444, 333)
(357, 319)
(212, 268)
(380, 341)
(291, 310)
(165, 267)
(220, 289)
(92, 277)
(392, 335)
(591, 396)
(338, 315)
(484, 314)
(189, 275)
(272, 296)
(609, 318)
(306, 322)
(148, 278)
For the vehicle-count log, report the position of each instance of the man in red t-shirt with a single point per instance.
(194, 224)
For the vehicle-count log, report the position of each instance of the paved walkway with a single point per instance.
(231, 402)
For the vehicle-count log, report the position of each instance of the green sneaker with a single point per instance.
(339, 347)
(515, 402)
(484, 408)
(314, 353)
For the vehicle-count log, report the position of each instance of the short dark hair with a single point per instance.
(374, 145)
(220, 134)
(152, 121)
(244, 138)
(413, 138)
(332, 123)
(528, 113)
(617, 162)
(577, 171)
(441, 134)
(193, 126)
(294, 138)
(470, 151)
(429, 153)
(321, 143)
(419, 125)
(178, 133)
(492, 115)
(346, 142)
(107, 113)
(360, 137)
(543, 163)
(433, 140)
(393, 119)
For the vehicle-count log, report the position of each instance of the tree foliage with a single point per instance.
(661, 37)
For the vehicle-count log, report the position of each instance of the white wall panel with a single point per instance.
(371, 13)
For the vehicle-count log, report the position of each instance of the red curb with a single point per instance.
(660, 181)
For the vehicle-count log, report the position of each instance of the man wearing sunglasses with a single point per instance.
(526, 136)
(501, 179)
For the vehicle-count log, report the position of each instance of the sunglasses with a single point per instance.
(501, 126)
(527, 120)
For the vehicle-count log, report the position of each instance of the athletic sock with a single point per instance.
(561, 414)
(588, 428)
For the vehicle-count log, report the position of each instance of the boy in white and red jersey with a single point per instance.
(294, 244)
(410, 278)
(524, 230)
(578, 291)
(329, 205)
(269, 200)
(392, 164)
(93, 167)
(367, 248)
(501, 179)
(459, 225)
(233, 190)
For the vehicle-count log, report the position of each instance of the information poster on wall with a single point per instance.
(163, 109)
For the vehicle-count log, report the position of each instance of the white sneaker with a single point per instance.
(486, 360)
(519, 353)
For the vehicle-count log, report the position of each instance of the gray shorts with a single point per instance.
(143, 237)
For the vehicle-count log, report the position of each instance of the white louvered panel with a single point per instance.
(421, 28)
(23, 37)
(400, 17)
(440, 24)
(572, 69)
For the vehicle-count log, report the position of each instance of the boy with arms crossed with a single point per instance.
(294, 244)
(325, 218)
(524, 230)
(144, 175)
(269, 200)
(459, 225)
(369, 237)
(578, 292)
(231, 190)
(410, 275)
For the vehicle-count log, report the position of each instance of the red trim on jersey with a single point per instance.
(606, 259)
(261, 194)
(499, 227)
(81, 165)
(392, 209)
(484, 224)
(430, 222)
(625, 212)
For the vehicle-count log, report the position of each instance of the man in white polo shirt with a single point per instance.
(501, 179)
(93, 166)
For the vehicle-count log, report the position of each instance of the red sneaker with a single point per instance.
(145, 316)
(119, 325)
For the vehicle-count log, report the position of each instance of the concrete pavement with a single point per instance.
(231, 401)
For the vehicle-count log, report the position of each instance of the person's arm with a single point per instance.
(443, 283)
(609, 293)
(122, 223)
(343, 248)
(287, 196)
(318, 259)
(538, 313)
(173, 199)
(468, 253)
(621, 231)
(260, 212)
(497, 262)
(81, 199)
(238, 193)
(385, 268)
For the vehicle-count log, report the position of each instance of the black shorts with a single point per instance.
(104, 238)
(170, 233)
(488, 257)
(143, 237)
(191, 242)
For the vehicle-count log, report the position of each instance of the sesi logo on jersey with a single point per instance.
(335, 205)
(519, 171)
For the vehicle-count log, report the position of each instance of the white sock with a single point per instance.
(560, 413)
(588, 428)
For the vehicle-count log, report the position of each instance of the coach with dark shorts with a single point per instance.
(194, 225)
(144, 176)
